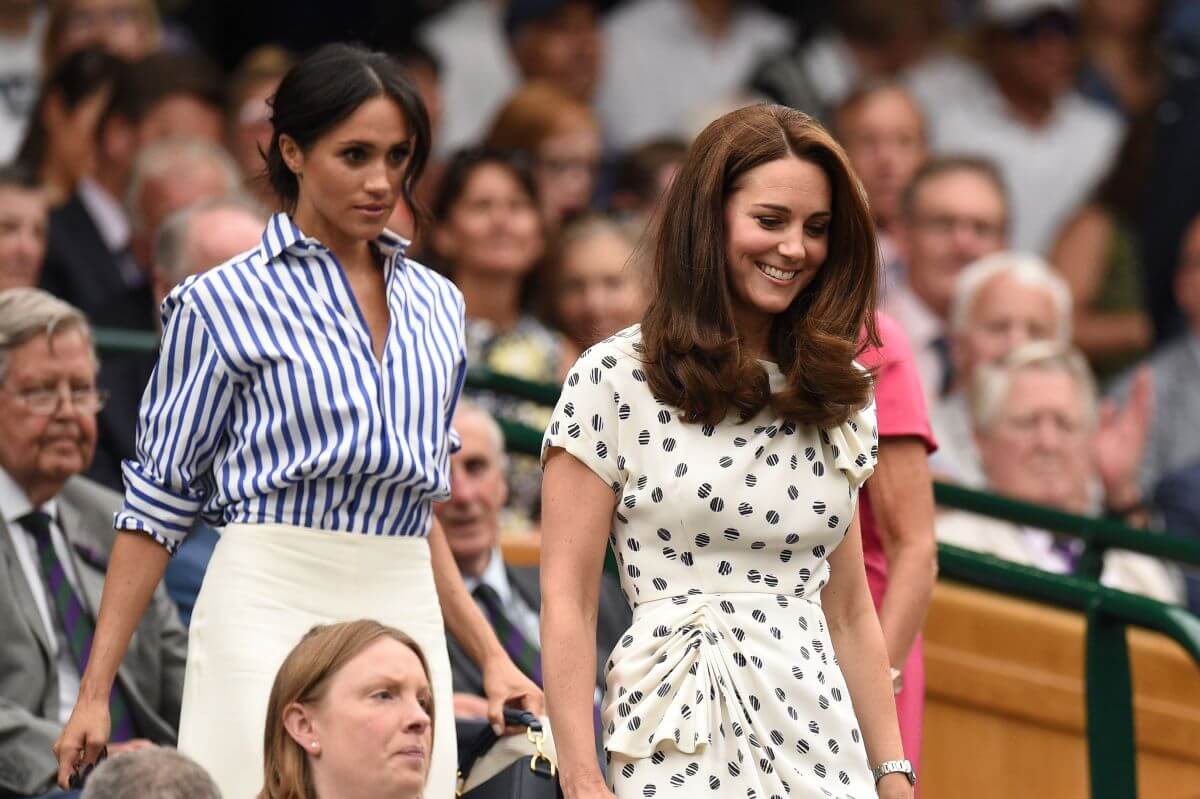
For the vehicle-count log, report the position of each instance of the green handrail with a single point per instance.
(1109, 687)
(112, 339)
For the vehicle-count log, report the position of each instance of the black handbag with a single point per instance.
(528, 777)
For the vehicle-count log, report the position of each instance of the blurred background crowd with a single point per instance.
(1032, 167)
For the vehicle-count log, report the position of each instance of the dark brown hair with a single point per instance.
(939, 165)
(303, 678)
(694, 358)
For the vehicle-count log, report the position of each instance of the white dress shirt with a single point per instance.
(478, 72)
(661, 65)
(20, 65)
(923, 329)
(110, 220)
(14, 504)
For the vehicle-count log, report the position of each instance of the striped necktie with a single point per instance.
(524, 652)
(75, 621)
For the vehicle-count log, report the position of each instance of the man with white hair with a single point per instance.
(170, 175)
(202, 235)
(191, 240)
(1000, 302)
(509, 596)
(157, 773)
(1036, 423)
(55, 535)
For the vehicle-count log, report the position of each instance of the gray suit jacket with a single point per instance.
(1174, 441)
(613, 619)
(151, 674)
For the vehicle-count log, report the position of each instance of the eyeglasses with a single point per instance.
(947, 224)
(1028, 424)
(45, 401)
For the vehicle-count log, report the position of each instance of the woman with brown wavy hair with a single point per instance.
(721, 447)
(350, 714)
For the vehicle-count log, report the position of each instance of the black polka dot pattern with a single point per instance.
(726, 684)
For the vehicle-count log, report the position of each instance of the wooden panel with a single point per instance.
(1005, 710)
(521, 548)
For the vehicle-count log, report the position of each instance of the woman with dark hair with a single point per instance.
(351, 714)
(490, 240)
(721, 446)
(302, 399)
(62, 129)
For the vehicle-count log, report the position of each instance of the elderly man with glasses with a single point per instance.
(55, 533)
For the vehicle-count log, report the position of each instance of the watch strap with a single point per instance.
(894, 767)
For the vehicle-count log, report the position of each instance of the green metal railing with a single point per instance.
(1108, 612)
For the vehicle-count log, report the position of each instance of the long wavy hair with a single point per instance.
(694, 358)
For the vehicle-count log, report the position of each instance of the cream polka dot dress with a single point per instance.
(726, 684)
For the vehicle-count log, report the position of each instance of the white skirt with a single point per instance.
(266, 586)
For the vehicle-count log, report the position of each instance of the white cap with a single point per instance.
(1012, 11)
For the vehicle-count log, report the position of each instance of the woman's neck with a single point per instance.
(353, 254)
(754, 331)
(491, 297)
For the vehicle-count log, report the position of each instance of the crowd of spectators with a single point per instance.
(1032, 172)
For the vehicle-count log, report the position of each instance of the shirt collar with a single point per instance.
(282, 234)
(494, 576)
(14, 503)
(107, 214)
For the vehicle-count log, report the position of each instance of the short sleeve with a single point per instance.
(586, 420)
(899, 400)
(180, 424)
(853, 446)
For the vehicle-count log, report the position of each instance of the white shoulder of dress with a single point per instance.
(620, 346)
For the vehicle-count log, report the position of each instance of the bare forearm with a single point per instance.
(911, 576)
(864, 662)
(134, 571)
(901, 492)
(569, 666)
(462, 616)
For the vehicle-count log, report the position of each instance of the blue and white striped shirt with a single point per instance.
(268, 404)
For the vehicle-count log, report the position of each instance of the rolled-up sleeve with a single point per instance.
(180, 426)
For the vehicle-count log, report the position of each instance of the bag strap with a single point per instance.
(513, 717)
